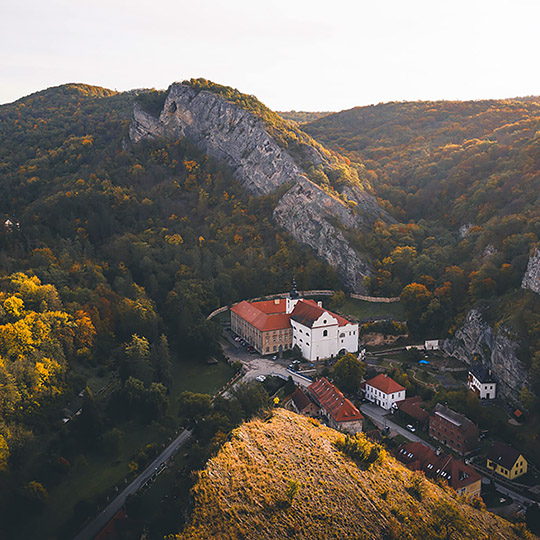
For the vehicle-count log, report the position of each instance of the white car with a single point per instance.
(260, 378)
(411, 428)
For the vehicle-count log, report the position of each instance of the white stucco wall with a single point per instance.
(484, 390)
(386, 401)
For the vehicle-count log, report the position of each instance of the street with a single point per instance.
(91, 530)
(382, 418)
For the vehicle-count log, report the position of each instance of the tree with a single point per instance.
(193, 405)
(348, 373)
(532, 518)
(161, 361)
(337, 300)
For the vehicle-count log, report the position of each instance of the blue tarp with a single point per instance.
(423, 362)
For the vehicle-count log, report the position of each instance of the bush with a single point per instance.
(361, 450)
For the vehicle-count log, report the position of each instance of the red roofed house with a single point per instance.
(410, 408)
(339, 411)
(435, 464)
(384, 391)
(276, 325)
(301, 404)
(264, 325)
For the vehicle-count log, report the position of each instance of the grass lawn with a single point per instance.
(359, 309)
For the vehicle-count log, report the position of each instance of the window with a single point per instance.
(325, 332)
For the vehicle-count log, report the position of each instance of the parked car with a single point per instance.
(411, 428)
(260, 378)
(274, 357)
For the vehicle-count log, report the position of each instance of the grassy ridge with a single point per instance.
(286, 478)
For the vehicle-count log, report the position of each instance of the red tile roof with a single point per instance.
(411, 407)
(334, 402)
(270, 314)
(419, 457)
(306, 312)
(260, 319)
(385, 384)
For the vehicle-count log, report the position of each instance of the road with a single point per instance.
(94, 527)
(255, 365)
(382, 418)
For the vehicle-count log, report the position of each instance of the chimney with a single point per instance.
(319, 304)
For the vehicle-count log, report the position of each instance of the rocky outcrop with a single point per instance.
(233, 135)
(497, 350)
(531, 279)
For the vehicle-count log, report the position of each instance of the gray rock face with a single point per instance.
(476, 341)
(230, 134)
(531, 279)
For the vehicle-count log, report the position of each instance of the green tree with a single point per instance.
(348, 372)
(193, 405)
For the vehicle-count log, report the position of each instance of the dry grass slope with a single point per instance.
(249, 491)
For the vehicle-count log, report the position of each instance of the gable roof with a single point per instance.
(419, 457)
(482, 374)
(411, 407)
(306, 312)
(385, 384)
(300, 399)
(503, 455)
(255, 314)
(459, 420)
(333, 401)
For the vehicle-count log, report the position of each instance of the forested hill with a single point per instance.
(111, 252)
(461, 161)
(463, 180)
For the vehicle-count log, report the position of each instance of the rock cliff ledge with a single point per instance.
(231, 134)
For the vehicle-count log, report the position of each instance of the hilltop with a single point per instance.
(285, 478)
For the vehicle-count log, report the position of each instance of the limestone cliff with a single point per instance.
(497, 350)
(531, 279)
(229, 133)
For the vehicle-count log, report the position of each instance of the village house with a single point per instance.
(506, 461)
(301, 404)
(437, 465)
(273, 326)
(410, 410)
(338, 410)
(384, 391)
(482, 382)
(453, 429)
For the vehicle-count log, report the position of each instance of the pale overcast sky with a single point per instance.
(292, 54)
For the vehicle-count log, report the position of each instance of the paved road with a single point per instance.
(94, 527)
(255, 365)
(382, 418)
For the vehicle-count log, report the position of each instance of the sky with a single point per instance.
(308, 55)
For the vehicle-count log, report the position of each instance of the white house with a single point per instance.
(320, 333)
(482, 382)
(384, 391)
(431, 345)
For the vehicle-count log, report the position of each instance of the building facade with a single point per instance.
(384, 391)
(482, 382)
(453, 429)
(506, 461)
(273, 326)
(437, 465)
(335, 407)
